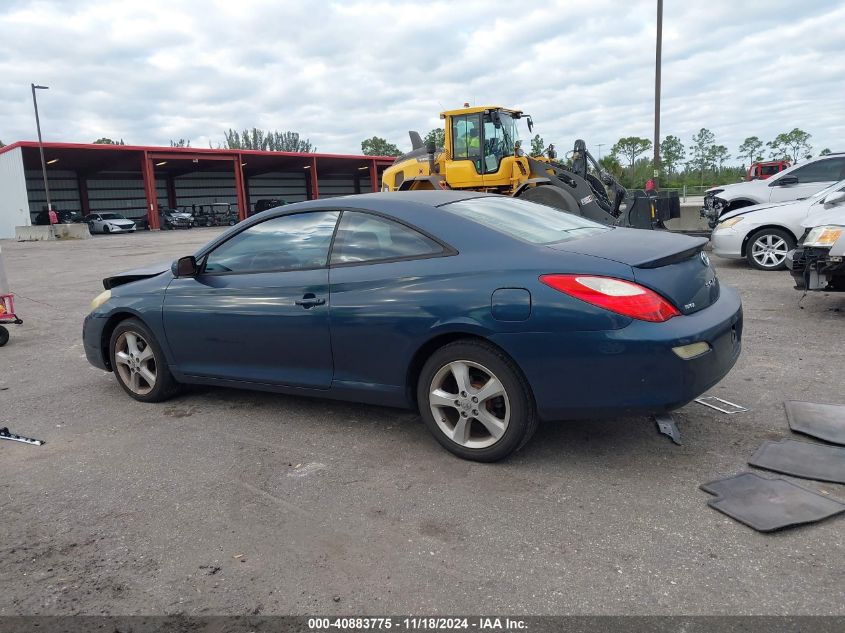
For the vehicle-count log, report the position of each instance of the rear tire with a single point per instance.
(767, 248)
(475, 401)
(139, 364)
(4, 336)
(551, 197)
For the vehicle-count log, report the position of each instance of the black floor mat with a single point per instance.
(802, 459)
(824, 421)
(769, 504)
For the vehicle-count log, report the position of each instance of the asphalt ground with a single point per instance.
(231, 502)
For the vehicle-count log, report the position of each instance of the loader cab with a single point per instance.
(481, 140)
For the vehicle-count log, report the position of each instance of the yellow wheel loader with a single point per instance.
(482, 152)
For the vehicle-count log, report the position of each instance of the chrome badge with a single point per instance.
(704, 258)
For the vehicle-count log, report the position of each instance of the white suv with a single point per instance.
(794, 183)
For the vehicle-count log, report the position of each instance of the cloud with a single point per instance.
(344, 71)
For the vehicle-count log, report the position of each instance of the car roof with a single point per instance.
(429, 197)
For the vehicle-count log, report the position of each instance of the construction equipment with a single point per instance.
(483, 153)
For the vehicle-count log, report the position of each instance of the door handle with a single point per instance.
(309, 301)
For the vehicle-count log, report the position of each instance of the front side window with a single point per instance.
(363, 237)
(466, 137)
(500, 136)
(288, 242)
(527, 221)
(821, 171)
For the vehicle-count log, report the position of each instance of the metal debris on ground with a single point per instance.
(823, 421)
(5, 434)
(723, 405)
(802, 459)
(769, 504)
(666, 425)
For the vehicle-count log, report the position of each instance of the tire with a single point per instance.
(4, 336)
(106, 229)
(130, 370)
(510, 412)
(767, 248)
(551, 196)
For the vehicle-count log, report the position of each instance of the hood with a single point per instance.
(135, 275)
(829, 216)
(757, 207)
(732, 185)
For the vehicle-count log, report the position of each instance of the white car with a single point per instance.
(109, 223)
(819, 261)
(763, 234)
(794, 183)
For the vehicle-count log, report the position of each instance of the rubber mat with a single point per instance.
(824, 421)
(769, 504)
(802, 459)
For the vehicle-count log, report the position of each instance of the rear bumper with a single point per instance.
(631, 371)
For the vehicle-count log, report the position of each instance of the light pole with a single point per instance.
(657, 57)
(41, 144)
(600, 146)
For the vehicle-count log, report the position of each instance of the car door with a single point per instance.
(94, 223)
(258, 311)
(807, 180)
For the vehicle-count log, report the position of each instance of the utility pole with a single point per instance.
(600, 145)
(657, 95)
(41, 144)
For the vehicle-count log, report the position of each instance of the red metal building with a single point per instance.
(138, 180)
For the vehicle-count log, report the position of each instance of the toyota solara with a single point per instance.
(487, 313)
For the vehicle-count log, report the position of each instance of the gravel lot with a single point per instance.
(229, 502)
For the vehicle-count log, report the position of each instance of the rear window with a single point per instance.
(527, 221)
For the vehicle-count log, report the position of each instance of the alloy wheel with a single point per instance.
(135, 362)
(470, 404)
(769, 251)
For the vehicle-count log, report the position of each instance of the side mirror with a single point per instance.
(185, 267)
(834, 197)
(786, 181)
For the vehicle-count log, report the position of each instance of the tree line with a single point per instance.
(704, 158)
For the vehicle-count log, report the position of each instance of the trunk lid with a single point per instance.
(673, 265)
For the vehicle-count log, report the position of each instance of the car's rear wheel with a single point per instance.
(767, 249)
(475, 401)
(139, 364)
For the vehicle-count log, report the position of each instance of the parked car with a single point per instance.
(485, 312)
(267, 203)
(819, 261)
(175, 219)
(799, 181)
(763, 234)
(214, 214)
(109, 223)
(762, 170)
(42, 218)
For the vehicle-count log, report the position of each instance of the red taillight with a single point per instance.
(623, 297)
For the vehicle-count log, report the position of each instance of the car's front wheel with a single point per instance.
(767, 249)
(139, 364)
(475, 401)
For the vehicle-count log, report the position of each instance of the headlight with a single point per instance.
(824, 236)
(729, 223)
(100, 299)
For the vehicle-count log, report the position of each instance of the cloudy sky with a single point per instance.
(339, 72)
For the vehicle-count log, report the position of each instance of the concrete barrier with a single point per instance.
(55, 232)
(690, 219)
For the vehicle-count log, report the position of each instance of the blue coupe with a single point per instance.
(487, 313)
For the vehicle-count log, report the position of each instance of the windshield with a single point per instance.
(112, 216)
(527, 221)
